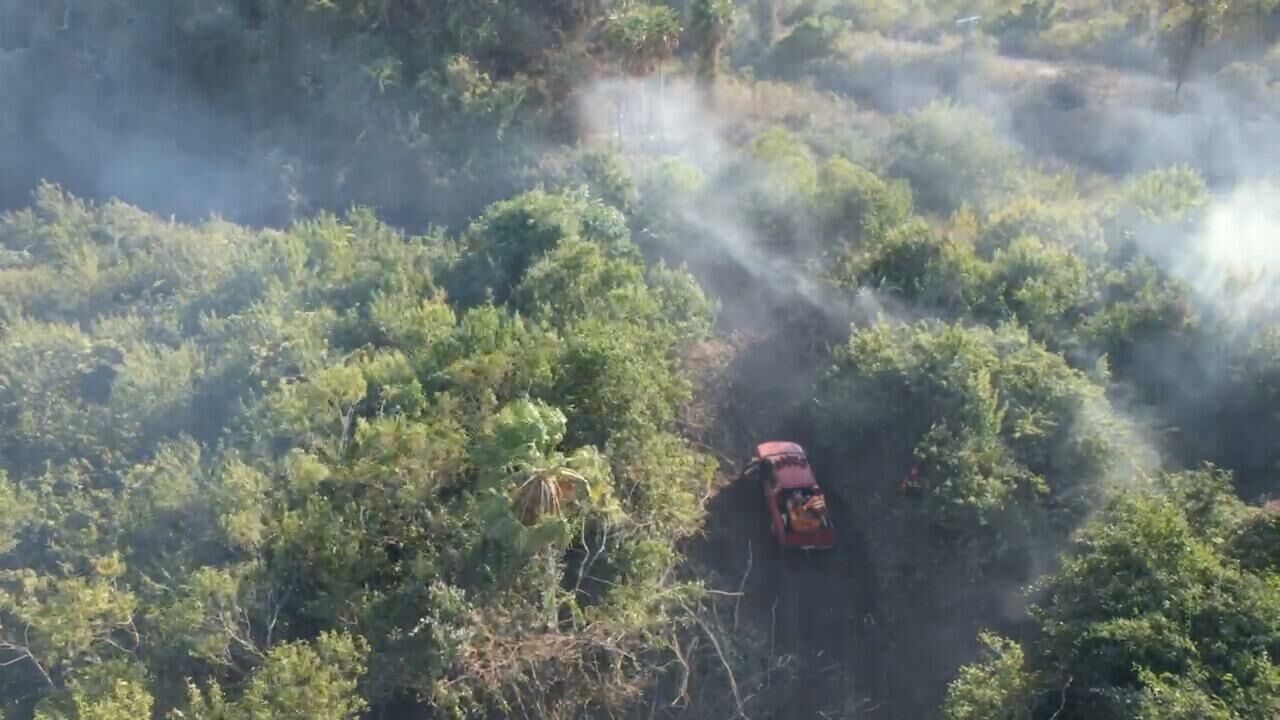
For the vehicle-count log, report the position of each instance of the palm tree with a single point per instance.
(540, 490)
(543, 494)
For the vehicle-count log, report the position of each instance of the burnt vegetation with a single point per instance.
(400, 359)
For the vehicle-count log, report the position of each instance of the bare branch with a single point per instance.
(24, 653)
(1063, 705)
(684, 680)
(742, 586)
(733, 683)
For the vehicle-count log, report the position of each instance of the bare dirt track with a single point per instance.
(804, 625)
(812, 611)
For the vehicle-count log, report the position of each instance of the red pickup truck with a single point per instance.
(795, 503)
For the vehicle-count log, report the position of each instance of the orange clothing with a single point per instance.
(804, 516)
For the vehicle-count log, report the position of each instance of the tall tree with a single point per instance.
(1188, 25)
(643, 37)
(712, 20)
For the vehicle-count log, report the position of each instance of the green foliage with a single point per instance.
(1255, 544)
(1207, 498)
(1173, 696)
(1166, 195)
(662, 476)
(1048, 288)
(310, 485)
(328, 469)
(605, 171)
(513, 234)
(468, 92)
(786, 161)
(1044, 286)
(1068, 224)
(665, 185)
(1188, 25)
(1147, 618)
(996, 688)
(1080, 36)
(813, 38)
(296, 680)
(855, 204)
(1012, 442)
(575, 279)
(613, 378)
(642, 35)
(424, 110)
(1142, 304)
(1145, 595)
(1014, 448)
(953, 156)
(57, 620)
(903, 18)
(774, 184)
(115, 694)
(1019, 27)
(913, 262)
(712, 21)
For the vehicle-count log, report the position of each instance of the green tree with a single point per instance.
(711, 24)
(1255, 542)
(309, 482)
(997, 687)
(513, 234)
(1188, 26)
(953, 156)
(858, 206)
(914, 263)
(643, 37)
(1147, 618)
(1012, 441)
(297, 680)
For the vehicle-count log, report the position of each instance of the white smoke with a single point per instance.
(675, 118)
(1234, 259)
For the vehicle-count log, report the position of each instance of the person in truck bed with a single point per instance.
(804, 511)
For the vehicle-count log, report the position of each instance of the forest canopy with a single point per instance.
(388, 360)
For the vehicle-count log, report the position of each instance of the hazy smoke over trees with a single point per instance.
(445, 414)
